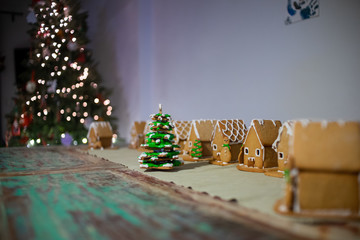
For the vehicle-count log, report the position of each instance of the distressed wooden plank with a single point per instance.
(107, 205)
(60, 193)
(24, 161)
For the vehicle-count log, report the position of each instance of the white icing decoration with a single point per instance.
(168, 165)
(252, 125)
(95, 126)
(163, 154)
(294, 172)
(304, 122)
(282, 208)
(341, 123)
(260, 121)
(196, 131)
(182, 130)
(324, 124)
(233, 129)
(289, 130)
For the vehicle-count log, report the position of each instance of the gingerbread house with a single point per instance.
(181, 131)
(228, 137)
(100, 135)
(281, 147)
(137, 134)
(200, 135)
(324, 171)
(257, 153)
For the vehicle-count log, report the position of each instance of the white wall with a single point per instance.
(233, 59)
(13, 34)
(226, 59)
(114, 35)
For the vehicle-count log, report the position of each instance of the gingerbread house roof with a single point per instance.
(288, 128)
(326, 146)
(234, 129)
(101, 129)
(203, 129)
(138, 128)
(182, 129)
(266, 130)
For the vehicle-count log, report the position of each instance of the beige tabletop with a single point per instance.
(251, 190)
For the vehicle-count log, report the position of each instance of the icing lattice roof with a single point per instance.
(182, 129)
(234, 130)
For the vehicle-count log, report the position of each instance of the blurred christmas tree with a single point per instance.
(62, 93)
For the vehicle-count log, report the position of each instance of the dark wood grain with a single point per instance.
(80, 201)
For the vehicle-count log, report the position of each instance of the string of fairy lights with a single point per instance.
(52, 54)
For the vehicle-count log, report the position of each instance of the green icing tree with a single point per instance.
(196, 151)
(160, 144)
(61, 91)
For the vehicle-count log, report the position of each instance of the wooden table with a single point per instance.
(66, 193)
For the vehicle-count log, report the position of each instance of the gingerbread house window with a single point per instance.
(281, 155)
(190, 143)
(246, 151)
(214, 147)
(257, 152)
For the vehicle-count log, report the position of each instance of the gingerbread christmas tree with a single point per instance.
(159, 142)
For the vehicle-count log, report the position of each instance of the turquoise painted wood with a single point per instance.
(102, 204)
(34, 159)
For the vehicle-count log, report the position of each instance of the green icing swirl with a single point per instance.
(158, 135)
(195, 151)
